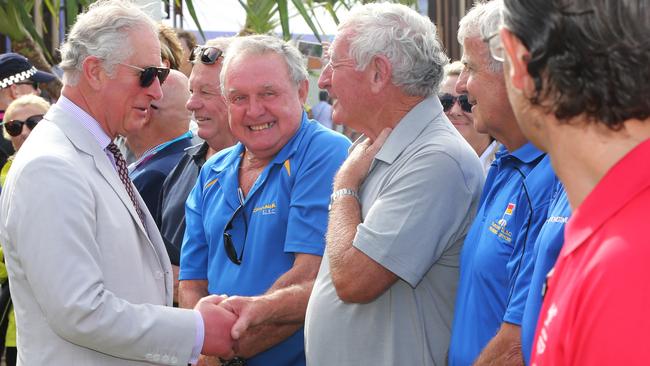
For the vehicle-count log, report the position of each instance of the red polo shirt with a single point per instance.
(597, 308)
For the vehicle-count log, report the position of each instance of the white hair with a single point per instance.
(100, 32)
(262, 44)
(405, 37)
(483, 19)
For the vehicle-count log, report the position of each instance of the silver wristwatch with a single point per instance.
(343, 192)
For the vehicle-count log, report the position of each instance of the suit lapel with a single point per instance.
(86, 142)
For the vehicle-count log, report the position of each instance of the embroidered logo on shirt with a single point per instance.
(558, 219)
(499, 228)
(267, 209)
(287, 166)
(210, 183)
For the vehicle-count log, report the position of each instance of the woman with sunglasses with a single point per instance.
(20, 118)
(459, 111)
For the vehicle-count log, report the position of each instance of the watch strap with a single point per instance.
(343, 192)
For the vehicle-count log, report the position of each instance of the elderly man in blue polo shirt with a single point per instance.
(256, 218)
(497, 259)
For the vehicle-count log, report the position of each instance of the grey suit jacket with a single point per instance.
(91, 285)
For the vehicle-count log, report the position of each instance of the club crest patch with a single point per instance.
(499, 228)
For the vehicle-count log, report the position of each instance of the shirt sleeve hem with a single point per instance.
(305, 249)
(513, 317)
(366, 244)
(192, 275)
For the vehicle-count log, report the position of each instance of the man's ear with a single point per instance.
(517, 56)
(381, 72)
(93, 71)
(303, 91)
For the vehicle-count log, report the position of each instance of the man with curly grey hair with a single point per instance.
(90, 278)
(402, 201)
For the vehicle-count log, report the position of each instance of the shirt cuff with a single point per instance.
(198, 340)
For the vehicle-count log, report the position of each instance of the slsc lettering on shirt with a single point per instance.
(267, 209)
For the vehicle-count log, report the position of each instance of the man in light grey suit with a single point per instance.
(89, 273)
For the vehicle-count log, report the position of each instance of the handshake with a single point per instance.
(225, 320)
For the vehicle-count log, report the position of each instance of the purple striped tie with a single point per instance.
(123, 172)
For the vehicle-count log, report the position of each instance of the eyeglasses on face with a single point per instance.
(331, 64)
(228, 243)
(149, 74)
(207, 55)
(447, 100)
(15, 127)
(495, 46)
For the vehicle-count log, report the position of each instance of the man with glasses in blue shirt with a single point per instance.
(208, 110)
(496, 261)
(257, 217)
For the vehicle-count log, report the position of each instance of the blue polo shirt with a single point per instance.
(284, 213)
(547, 248)
(497, 251)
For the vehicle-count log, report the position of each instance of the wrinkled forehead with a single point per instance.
(265, 65)
(145, 46)
(203, 74)
(340, 47)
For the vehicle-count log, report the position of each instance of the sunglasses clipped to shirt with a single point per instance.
(15, 127)
(447, 100)
(149, 74)
(228, 243)
(207, 55)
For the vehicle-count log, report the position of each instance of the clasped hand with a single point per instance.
(225, 320)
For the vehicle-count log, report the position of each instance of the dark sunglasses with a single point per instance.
(228, 244)
(15, 127)
(149, 74)
(447, 100)
(207, 55)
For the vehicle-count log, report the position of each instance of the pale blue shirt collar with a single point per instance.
(86, 120)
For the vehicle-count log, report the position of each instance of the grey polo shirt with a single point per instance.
(417, 204)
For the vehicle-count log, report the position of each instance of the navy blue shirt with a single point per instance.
(171, 205)
(149, 172)
(493, 281)
(547, 248)
(285, 212)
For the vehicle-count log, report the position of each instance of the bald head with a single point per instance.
(168, 117)
(170, 110)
